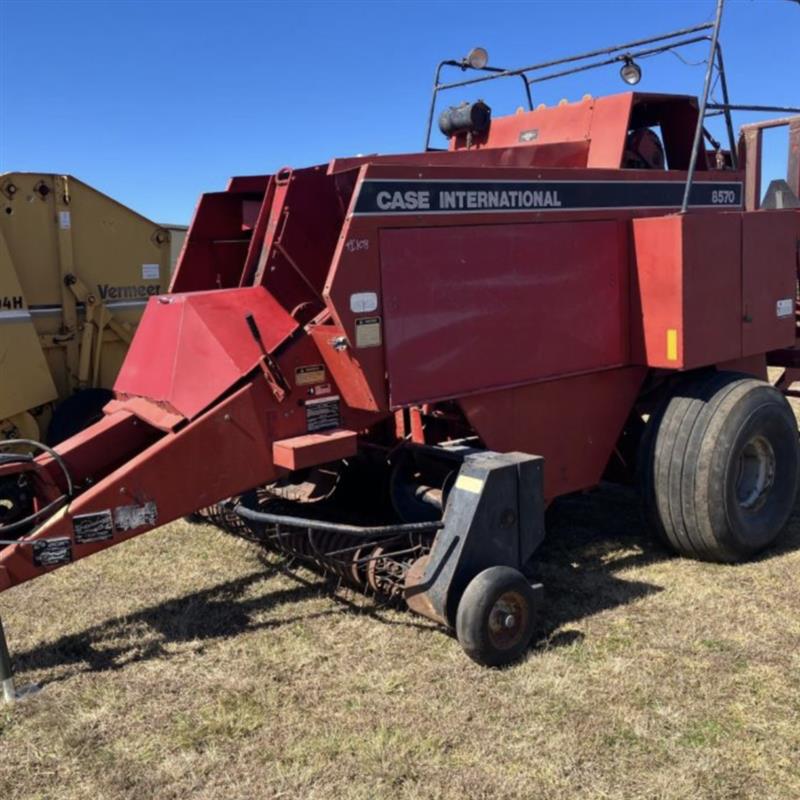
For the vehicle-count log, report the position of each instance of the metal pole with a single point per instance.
(433, 105)
(701, 112)
(723, 82)
(6, 674)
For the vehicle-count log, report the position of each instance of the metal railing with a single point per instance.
(666, 42)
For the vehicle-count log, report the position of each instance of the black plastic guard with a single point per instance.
(494, 516)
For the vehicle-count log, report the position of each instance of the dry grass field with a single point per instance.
(184, 665)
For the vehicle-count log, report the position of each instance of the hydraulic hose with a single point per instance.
(27, 458)
(335, 527)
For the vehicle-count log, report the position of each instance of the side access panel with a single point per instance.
(471, 308)
(770, 241)
(686, 308)
(710, 288)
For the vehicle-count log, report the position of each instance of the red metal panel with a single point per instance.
(565, 123)
(223, 453)
(769, 279)
(301, 235)
(609, 130)
(712, 287)
(656, 289)
(190, 348)
(356, 265)
(311, 449)
(348, 369)
(216, 244)
(556, 154)
(573, 422)
(509, 304)
(687, 290)
(248, 183)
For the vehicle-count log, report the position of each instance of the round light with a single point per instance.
(477, 58)
(630, 72)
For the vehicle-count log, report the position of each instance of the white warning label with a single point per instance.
(368, 332)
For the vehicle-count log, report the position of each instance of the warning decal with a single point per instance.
(128, 518)
(368, 332)
(309, 375)
(52, 552)
(322, 414)
(93, 527)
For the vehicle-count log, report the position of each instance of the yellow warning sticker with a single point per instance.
(469, 484)
(672, 344)
(309, 375)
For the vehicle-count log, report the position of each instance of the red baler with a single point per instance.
(393, 363)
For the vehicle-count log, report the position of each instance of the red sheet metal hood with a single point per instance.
(191, 348)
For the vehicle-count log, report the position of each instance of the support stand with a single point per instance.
(10, 693)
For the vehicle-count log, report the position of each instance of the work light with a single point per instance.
(630, 72)
(477, 58)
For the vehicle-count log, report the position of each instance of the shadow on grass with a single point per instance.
(222, 611)
(592, 537)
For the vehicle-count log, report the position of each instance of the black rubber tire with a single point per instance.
(697, 459)
(77, 412)
(476, 618)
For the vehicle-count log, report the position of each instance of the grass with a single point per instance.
(183, 665)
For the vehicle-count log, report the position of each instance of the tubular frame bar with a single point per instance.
(501, 73)
(698, 131)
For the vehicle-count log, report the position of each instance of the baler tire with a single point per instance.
(658, 437)
(670, 457)
(490, 599)
(725, 466)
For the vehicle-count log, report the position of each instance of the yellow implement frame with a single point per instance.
(76, 270)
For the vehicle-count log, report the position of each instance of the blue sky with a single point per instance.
(155, 102)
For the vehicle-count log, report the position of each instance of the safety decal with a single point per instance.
(309, 375)
(94, 527)
(128, 518)
(323, 388)
(322, 414)
(368, 332)
(469, 484)
(52, 552)
(484, 196)
(672, 344)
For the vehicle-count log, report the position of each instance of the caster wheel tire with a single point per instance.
(496, 616)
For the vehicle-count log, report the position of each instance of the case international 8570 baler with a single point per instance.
(386, 367)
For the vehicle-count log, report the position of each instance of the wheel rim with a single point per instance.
(14, 500)
(508, 620)
(755, 473)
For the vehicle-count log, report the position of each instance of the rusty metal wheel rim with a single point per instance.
(508, 620)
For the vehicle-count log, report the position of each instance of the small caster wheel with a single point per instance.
(496, 616)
